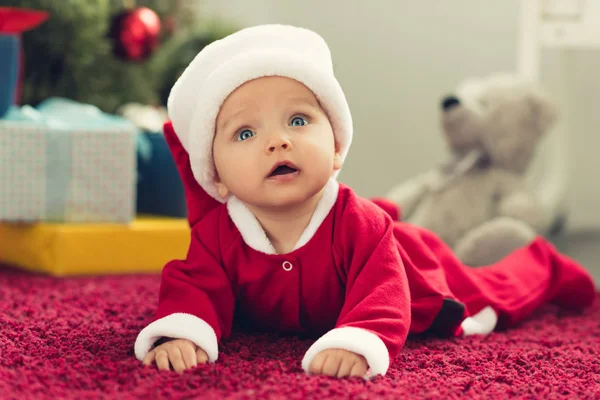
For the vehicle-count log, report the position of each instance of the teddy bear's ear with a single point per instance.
(545, 112)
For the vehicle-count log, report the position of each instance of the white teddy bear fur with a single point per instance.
(479, 202)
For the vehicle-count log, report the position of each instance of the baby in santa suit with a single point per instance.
(259, 129)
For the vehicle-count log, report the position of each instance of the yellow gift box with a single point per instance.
(142, 246)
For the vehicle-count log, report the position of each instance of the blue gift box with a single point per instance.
(9, 52)
(66, 162)
(159, 189)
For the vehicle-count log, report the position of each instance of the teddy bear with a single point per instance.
(479, 202)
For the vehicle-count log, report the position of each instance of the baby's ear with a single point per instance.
(337, 161)
(337, 157)
(221, 188)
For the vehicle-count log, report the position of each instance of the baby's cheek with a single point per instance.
(246, 170)
(243, 176)
(233, 165)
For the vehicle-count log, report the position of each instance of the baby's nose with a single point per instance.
(279, 142)
(283, 145)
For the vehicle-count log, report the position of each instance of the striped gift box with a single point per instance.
(66, 162)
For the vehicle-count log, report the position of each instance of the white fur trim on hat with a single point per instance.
(224, 65)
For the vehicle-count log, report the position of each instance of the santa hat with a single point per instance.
(226, 64)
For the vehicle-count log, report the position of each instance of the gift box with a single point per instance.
(66, 162)
(159, 188)
(13, 22)
(9, 50)
(143, 246)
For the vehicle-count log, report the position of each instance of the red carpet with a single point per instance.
(73, 339)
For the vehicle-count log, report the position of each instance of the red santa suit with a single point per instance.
(358, 279)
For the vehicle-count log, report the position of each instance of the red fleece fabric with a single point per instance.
(72, 338)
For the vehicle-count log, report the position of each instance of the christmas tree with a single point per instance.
(73, 54)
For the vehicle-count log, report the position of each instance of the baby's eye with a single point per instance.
(298, 121)
(245, 134)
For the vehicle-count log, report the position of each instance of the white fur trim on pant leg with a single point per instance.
(482, 323)
(178, 326)
(356, 340)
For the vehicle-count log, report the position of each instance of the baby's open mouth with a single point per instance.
(283, 170)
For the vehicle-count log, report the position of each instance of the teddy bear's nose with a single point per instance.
(449, 102)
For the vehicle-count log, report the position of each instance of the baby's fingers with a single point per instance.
(359, 369)
(316, 366)
(346, 367)
(201, 356)
(189, 356)
(162, 360)
(332, 365)
(176, 359)
(149, 358)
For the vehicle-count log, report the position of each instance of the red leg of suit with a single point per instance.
(518, 284)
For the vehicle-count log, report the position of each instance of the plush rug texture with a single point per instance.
(73, 339)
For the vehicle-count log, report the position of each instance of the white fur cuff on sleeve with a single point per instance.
(356, 340)
(178, 326)
(482, 323)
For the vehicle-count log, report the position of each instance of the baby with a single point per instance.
(259, 131)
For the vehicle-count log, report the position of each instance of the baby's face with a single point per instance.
(274, 145)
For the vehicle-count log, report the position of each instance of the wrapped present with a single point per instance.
(143, 246)
(9, 49)
(159, 188)
(66, 162)
(13, 22)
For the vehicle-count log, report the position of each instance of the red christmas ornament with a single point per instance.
(135, 34)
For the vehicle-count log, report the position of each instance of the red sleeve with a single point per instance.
(375, 319)
(196, 301)
(389, 207)
(199, 203)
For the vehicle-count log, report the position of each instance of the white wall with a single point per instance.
(396, 58)
(580, 98)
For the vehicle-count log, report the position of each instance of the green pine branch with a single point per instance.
(70, 55)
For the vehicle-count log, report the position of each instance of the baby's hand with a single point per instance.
(180, 353)
(340, 363)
